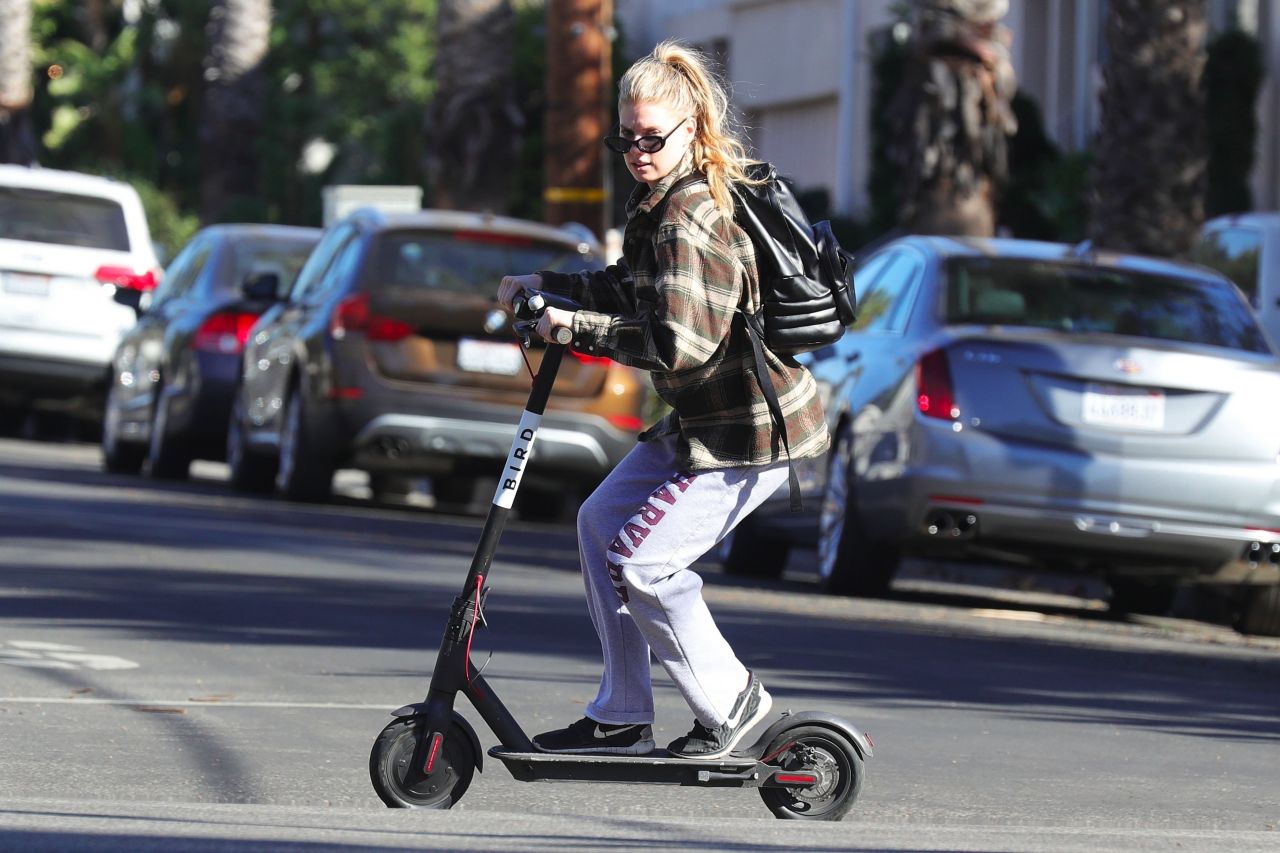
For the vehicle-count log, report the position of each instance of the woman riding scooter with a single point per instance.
(671, 306)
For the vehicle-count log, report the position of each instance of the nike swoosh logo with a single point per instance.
(600, 734)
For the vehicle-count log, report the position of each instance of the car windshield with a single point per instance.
(284, 257)
(464, 261)
(1087, 299)
(63, 219)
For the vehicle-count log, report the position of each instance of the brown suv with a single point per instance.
(390, 355)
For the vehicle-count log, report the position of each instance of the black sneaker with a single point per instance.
(587, 735)
(752, 706)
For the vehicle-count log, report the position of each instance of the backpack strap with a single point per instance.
(756, 334)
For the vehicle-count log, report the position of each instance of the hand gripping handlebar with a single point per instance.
(529, 305)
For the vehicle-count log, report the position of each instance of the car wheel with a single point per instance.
(753, 555)
(304, 473)
(250, 471)
(167, 459)
(1132, 595)
(1260, 613)
(848, 562)
(118, 456)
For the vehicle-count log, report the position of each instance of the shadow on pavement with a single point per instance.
(287, 579)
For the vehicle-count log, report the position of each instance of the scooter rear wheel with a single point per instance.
(825, 753)
(401, 785)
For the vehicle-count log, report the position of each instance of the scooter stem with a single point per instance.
(453, 671)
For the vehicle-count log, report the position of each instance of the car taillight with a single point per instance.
(127, 278)
(627, 422)
(224, 333)
(602, 360)
(353, 315)
(935, 395)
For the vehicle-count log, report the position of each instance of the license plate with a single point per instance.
(24, 284)
(489, 357)
(1117, 406)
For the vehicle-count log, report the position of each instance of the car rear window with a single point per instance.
(64, 219)
(464, 260)
(1085, 299)
(284, 257)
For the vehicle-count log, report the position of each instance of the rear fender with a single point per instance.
(859, 739)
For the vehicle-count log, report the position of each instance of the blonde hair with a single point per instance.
(678, 77)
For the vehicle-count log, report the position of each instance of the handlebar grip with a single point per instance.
(563, 335)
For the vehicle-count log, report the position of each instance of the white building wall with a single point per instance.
(785, 52)
(801, 72)
(800, 140)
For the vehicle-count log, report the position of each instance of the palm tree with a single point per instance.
(1152, 151)
(231, 123)
(472, 138)
(17, 140)
(952, 117)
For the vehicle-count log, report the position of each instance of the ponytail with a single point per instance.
(679, 77)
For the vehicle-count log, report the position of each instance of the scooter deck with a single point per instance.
(657, 767)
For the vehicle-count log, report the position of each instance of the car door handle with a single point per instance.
(851, 357)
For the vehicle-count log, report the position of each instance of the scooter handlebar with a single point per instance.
(529, 305)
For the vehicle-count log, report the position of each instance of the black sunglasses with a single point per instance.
(650, 144)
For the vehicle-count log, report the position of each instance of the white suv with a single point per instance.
(75, 256)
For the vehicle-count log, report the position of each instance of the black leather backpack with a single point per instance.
(807, 295)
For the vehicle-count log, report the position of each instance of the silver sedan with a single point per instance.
(1044, 405)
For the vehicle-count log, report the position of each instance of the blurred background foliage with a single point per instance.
(349, 82)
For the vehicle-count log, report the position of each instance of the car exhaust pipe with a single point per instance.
(940, 523)
(393, 447)
(1256, 553)
(945, 523)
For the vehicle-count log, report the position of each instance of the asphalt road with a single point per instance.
(184, 668)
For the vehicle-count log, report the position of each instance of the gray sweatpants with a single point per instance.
(638, 534)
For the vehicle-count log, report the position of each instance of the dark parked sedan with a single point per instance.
(391, 356)
(174, 373)
(1047, 405)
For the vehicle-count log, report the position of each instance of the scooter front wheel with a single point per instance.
(825, 754)
(403, 783)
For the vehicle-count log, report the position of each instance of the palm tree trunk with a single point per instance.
(952, 117)
(1152, 153)
(233, 106)
(17, 138)
(473, 125)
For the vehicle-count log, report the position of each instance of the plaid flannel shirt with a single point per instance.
(670, 306)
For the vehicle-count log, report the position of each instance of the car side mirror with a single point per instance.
(263, 286)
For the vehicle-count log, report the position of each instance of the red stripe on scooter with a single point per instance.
(435, 748)
(795, 779)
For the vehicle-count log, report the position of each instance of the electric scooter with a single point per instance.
(807, 765)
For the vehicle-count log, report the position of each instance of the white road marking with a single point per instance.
(91, 661)
(40, 664)
(37, 645)
(35, 654)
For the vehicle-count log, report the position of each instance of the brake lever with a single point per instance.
(528, 307)
(524, 331)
